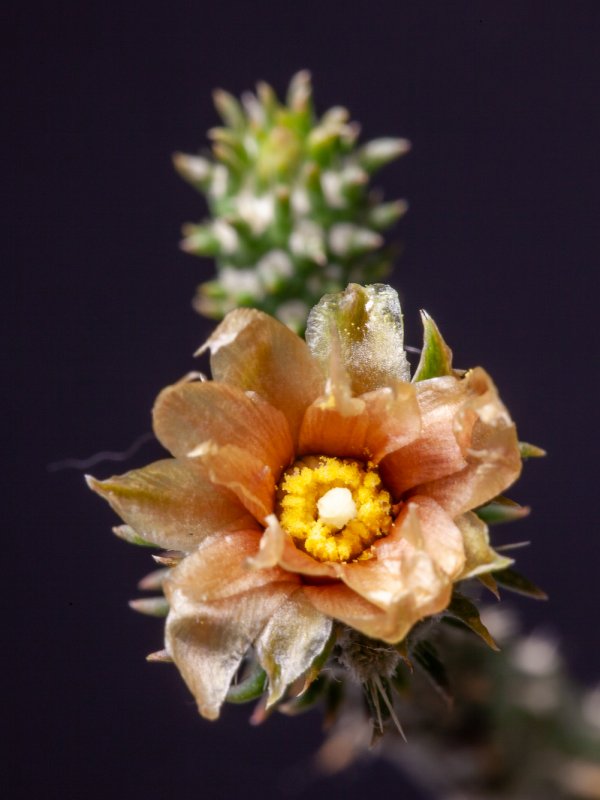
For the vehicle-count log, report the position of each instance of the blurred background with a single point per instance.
(500, 101)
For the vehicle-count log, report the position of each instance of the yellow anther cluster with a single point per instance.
(307, 481)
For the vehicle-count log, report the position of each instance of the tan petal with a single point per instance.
(292, 639)
(489, 439)
(480, 557)
(436, 451)
(173, 504)
(219, 606)
(325, 431)
(277, 548)
(255, 352)
(187, 415)
(249, 479)
(389, 419)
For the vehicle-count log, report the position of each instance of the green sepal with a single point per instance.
(159, 657)
(151, 606)
(426, 656)
(196, 170)
(127, 534)
(488, 580)
(515, 582)
(528, 450)
(379, 152)
(305, 701)
(229, 109)
(501, 509)
(153, 582)
(249, 689)
(200, 240)
(436, 356)
(404, 653)
(462, 609)
(320, 661)
(169, 558)
(385, 215)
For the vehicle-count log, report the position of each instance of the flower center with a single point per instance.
(334, 508)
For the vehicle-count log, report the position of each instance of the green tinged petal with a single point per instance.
(367, 324)
(293, 638)
(480, 558)
(172, 504)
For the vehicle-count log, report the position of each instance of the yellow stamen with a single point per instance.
(334, 508)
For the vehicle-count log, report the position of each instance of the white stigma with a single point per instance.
(336, 507)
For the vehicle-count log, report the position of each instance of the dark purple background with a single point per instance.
(500, 101)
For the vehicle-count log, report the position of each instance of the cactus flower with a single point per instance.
(312, 482)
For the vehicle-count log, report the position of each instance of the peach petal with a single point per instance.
(173, 504)
(277, 547)
(439, 535)
(410, 574)
(219, 569)
(188, 414)
(394, 419)
(325, 431)
(294, 636)
(489, 439)
(249, 479)
(340, 602)
(401, 571)
(436, 451)
(255, 352)
(386, 420)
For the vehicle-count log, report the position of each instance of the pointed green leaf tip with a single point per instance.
(436, 356)
(151, 606)
(462, 609)
(365, 324)
(501, 509)
(515, 582)
(530, 450)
